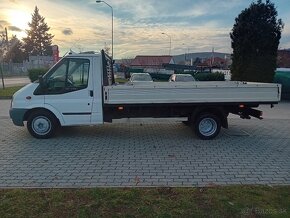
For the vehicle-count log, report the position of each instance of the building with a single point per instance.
(151, 64)
(283, 59)
(216, 62)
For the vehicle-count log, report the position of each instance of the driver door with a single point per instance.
(70, 90)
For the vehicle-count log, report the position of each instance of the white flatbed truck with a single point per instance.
(80, 90)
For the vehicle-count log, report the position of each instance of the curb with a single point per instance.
(5, 97)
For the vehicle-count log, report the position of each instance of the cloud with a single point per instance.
(4, 23)
(14, 28)
(67, 31)
(193, 25)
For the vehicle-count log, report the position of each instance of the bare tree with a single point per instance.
(3, 51)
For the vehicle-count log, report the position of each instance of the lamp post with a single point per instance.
(169, 42)
(112, 25)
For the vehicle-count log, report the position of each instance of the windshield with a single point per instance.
(141, 77)
(184, 78)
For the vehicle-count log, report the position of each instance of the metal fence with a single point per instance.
(14, 69)
(20, 69)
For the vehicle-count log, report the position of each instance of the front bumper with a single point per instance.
(17, 115)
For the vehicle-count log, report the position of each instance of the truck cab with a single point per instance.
(69, 94)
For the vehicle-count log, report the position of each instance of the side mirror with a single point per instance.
(41, 82)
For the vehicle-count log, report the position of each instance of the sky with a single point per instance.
(84, 25)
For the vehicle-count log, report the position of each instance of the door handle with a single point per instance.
(91, 93)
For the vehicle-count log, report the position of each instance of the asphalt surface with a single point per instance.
(154, 152)
(14, 81)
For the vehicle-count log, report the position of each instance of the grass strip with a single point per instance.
(9, 91)
(217, 201)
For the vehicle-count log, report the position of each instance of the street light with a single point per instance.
(112, 25)
(184, 53)
(169, 42)
(186, 49)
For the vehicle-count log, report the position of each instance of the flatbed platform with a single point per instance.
(195, 92)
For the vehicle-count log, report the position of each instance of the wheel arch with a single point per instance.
(216, 110)
(29, 112)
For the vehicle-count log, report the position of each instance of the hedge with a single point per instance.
(160, 76)
(210, 76)
(198, 76)
(283, 77)
(33, 74)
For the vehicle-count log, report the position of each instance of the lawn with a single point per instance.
(9, 91)
(121, 80)
(218, 201)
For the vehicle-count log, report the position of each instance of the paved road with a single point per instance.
(14, 81)
(153, 153)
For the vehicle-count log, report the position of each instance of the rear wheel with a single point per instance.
(207, 126)
(41, 124)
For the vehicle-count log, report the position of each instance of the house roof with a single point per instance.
(151, 60)
(200, 55)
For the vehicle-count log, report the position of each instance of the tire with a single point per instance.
(207, 126)
(41, 124)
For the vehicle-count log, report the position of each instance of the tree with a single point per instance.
(3, 45)
(15, 52)
(38, 40)
(255, 39)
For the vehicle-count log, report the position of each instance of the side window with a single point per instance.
(78, 73)
(68, 76)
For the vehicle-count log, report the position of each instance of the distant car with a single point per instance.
(181, 78)
(140, 77)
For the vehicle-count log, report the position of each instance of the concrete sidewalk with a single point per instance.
(146, 154)
(158, 152)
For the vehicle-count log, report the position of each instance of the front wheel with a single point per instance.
(41, 124)
(207, 126)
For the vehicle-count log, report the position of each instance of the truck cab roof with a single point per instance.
(83, 54)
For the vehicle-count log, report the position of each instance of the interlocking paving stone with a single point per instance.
(152, 154)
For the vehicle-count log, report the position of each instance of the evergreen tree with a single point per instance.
(38, 40)
(255, 39)
(15, 52)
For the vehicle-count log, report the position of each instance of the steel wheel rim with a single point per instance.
(41, 125)
(207, 126)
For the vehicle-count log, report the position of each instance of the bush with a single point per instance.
(283, 77)
(210, 76)
(33, 74)
(160, 77)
